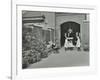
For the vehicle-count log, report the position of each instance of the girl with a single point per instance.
(78, 44)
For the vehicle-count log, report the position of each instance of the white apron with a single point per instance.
(78, 44)
(68, 44)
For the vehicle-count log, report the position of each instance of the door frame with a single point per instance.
(67, 29)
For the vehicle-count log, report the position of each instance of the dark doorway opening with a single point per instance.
(64, 28)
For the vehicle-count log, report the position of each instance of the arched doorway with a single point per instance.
(64, 28)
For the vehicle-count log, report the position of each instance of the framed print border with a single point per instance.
(17, 7)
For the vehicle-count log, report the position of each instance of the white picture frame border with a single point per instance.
(16, 69)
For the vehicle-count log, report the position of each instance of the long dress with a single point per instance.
(78, 44)
(68, 43)
(68, 40)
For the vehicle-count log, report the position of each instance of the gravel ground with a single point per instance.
(63, 59)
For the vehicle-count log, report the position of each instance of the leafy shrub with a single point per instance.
(86, 47)
(33, 49)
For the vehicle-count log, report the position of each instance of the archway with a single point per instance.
(64, 28)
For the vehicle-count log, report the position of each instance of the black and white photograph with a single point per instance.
(54, 39)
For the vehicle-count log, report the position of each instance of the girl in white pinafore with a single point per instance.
(78, 44)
